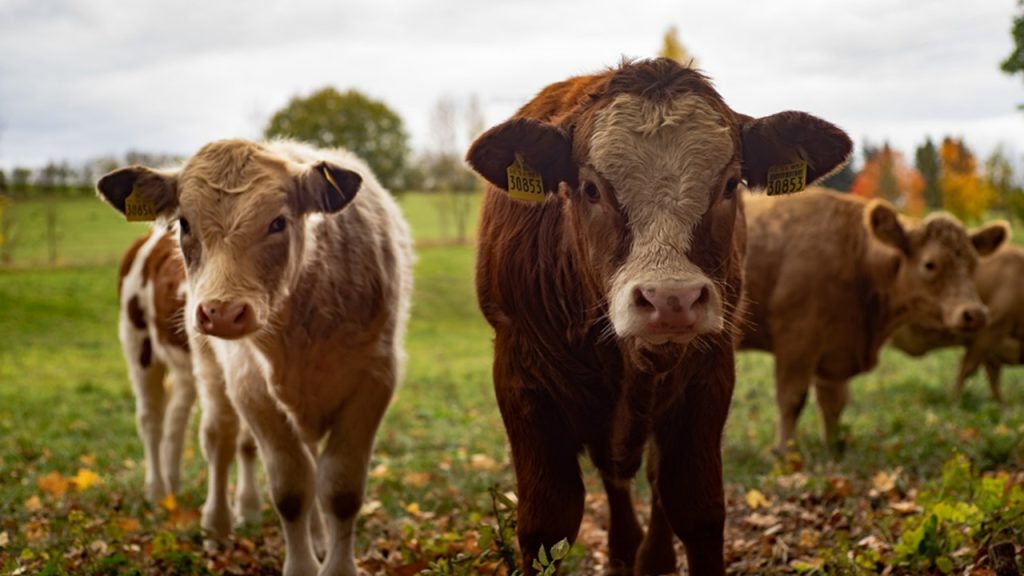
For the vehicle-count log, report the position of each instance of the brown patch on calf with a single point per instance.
(166, 268)
(146, 355)
(346, 504)
(135, 313)
(128, 259)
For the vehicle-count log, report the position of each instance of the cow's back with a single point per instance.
(806, 284)
(999, 281)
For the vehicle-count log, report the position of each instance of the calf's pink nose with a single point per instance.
(224, 319)
(672, 308)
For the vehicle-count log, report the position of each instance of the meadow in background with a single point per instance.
(928, 484)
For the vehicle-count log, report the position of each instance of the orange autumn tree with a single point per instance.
(963, 191)
(886, 175)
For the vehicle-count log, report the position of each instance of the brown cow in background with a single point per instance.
(1000, 282)
(614, 297)
(829, 276)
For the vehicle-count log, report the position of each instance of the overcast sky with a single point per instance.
(82, 78)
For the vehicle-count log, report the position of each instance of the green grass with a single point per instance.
(65, 404)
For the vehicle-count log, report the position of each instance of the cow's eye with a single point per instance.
(183, 225)
(731, 186)
(930, 265)
(277, 225)
(591, 192)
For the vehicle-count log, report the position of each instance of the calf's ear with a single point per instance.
(140, 193)
(327, 187)
(990, 237)
(791, 137)
(540, 148)
(883, 223)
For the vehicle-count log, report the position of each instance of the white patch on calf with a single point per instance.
(663, 159)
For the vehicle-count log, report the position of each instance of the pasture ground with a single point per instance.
(928, 484)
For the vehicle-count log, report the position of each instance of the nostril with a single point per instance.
(640, 299)
(201, 314)
(240, 318)
(705, 295)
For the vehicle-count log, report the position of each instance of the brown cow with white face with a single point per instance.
(614, 296)
(1000, 282)
(299, 271)
(829, 276)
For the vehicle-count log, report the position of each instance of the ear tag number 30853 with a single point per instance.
(523, 183)
(137, 209)
(787, 178)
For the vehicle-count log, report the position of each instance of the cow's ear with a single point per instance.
(536, 147)
(328, 188)
(140, 193)
(990, 237)
(883, 223)
(792, 137)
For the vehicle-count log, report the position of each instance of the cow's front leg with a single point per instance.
(290, 471)
(656, 554)
(545, 457)
(218, 429)
(150, 402)
(247, 497)
(792, 383)
(176, 417)
(689, 464)
(342, 469)
(624, 532)
(832, 397)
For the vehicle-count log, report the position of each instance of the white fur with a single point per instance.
(663, 160)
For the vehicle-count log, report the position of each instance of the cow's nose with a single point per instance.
(973, 317)
(672, 308)
(225, 319)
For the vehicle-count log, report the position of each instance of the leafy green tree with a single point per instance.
(3, 182)
(1014, 63)
(20, 178)
(351, 120)
(926, 160)
(1001, 179)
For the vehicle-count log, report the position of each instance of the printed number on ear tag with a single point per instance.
(787, 178)
(524, 184)
(138, 210)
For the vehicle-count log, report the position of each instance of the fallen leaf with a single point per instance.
(413, 508)
(809, 538)
(755, 499)
(905, 507)
(416, 479)
(883, 481)
(85, 479)
(169, 503)
(761, 520)
(483, 462)
(4, 539)
(33, 504)
(369, 507)
(128, 524)
(53, 484)
(379, 471)
(88, 459)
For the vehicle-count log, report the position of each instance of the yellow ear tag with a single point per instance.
(787, 178)
(136, 209)
(523, 183)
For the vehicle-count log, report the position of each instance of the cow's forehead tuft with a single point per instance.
(946, 231)
(231, 166)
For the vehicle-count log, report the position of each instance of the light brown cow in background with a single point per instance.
(299, 273)
(155, 343)
(1000, 282)
(828, 278)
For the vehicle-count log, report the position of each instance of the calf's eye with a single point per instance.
(591, 192)
(277, 225)
(731, 186)
(183, 225)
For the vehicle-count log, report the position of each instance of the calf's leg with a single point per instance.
(247, 497)
(832, 396)
(689, 463)
(342, 469)
(656, 554)
(150, 403)
(176, 417)
(290, 470)
(624, 532)
(792, 382)
(218, 429)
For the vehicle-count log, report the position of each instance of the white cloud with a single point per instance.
(89, 77)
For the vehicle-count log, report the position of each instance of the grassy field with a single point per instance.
(71, 470)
